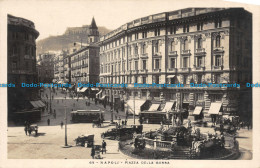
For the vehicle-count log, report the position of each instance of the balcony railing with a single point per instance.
(145, 55)
(158, 54)
(143, 71)
(199, 68)
(134, 71)
(172, 53)
(185, 52)
(172, 69)
(217, 67)
(218, 49)
(185, 69)
(156, 70)
(200, 51)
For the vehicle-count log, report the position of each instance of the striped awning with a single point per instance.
(37, 104)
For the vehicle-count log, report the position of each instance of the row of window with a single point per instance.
(156, 48)
(156, 79)
(157, 32)
(199, 62)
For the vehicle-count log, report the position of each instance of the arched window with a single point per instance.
(218, 41)
(199, 43)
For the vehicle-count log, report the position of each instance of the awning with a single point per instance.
(154, 107)
(103, 97)
(98, 93)
(135, 105)
(168, 106)
(34, 104)
(170, 76)
(37, 104)
(82, 90)
(197, 110)
(215, 108)
(41, 103)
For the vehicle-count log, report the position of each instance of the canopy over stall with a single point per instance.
(135, 106)
(168, 106)
(154, 107)
(215, 108)
(197, 110)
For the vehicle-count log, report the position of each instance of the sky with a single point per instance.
(51, 18)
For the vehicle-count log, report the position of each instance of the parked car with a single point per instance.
(85, 140)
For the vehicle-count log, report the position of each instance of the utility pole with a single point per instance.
(66, 143)
(134, 107)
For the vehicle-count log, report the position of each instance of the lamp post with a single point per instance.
(134, 107)
(66, 143)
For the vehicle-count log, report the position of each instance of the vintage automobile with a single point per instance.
(33, 128)
(122, 133)
(118, 133)
(85, 140)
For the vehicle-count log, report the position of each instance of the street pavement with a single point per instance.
(48, 144)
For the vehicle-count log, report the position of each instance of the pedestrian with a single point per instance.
(48, 121)
(125, 122)
(222, 141)
(29, 131)
(25, 129)
(93, 152)
(61, 124)
(104, 145)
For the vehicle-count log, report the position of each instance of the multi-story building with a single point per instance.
(45, 67)
(21, 63)
(59, 67)
(83, 62)
(193, 45)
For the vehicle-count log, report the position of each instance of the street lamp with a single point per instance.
(66, 144)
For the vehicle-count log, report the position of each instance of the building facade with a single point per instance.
(45, 67)
(21, 60)
(193, 45)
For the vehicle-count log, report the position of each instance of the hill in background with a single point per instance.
(65, 41)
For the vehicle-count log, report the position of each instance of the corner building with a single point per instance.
(193, 45)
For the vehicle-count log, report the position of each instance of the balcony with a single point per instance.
(158, 54)
(185, 52)
(218, 50)
(184, 69)
(217, 67)
(143, 71)
(172, 53)
(145, 55)
(128, 72)
(198, 68)
(174, 70)
(156, 70)
(134, 71)
(200, 51)
(136, 56)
